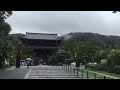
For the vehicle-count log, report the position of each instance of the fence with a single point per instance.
(80, 72)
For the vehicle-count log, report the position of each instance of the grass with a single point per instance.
(104, 72)
(100, 74)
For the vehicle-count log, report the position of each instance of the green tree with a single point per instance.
(53, 60)
(114, 57)
(102, 54)
(4, 31)
(84, 52)
(69, 48)
(27, 53)
(36, 60)
(113, 61)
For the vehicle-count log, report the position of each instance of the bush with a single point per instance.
(90, 66)
(114, 69)
(98, 67)
(6, 66)
(3, 66)
(36, 60)
(53, 62)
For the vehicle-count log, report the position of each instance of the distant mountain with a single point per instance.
(103, 41)
(66, 36)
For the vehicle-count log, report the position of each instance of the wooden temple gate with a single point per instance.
(44, 44)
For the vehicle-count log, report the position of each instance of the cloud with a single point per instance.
(62, 22)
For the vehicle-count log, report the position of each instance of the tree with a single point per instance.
(53, 60)
(102, 54)
(4, 31)
(68, 47)
(114, 57)
(36, 60)
(113, 61)
(28, 53)
(4, 26)
(84, 52)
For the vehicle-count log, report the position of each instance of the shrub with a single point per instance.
(6, 66)
(98, 67)
(114, 69)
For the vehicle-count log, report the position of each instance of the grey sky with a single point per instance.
(62, 22)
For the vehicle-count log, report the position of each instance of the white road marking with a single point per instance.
(27, 74)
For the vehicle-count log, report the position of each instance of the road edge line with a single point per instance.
(26, 76)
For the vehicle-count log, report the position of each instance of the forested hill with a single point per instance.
(102, 41)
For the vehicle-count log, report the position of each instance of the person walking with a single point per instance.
(28, 62)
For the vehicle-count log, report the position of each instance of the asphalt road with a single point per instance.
(14, 73)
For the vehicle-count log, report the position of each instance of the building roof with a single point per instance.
(41, 36)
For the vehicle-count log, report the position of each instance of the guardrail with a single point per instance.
(80, 72)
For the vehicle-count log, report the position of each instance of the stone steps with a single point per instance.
(52, 72)
(53, 75)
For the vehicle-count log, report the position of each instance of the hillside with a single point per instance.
(102, 41)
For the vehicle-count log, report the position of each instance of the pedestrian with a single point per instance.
(27, 64)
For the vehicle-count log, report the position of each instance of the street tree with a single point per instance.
(4, 32)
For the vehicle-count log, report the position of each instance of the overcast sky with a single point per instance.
(63, 22)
